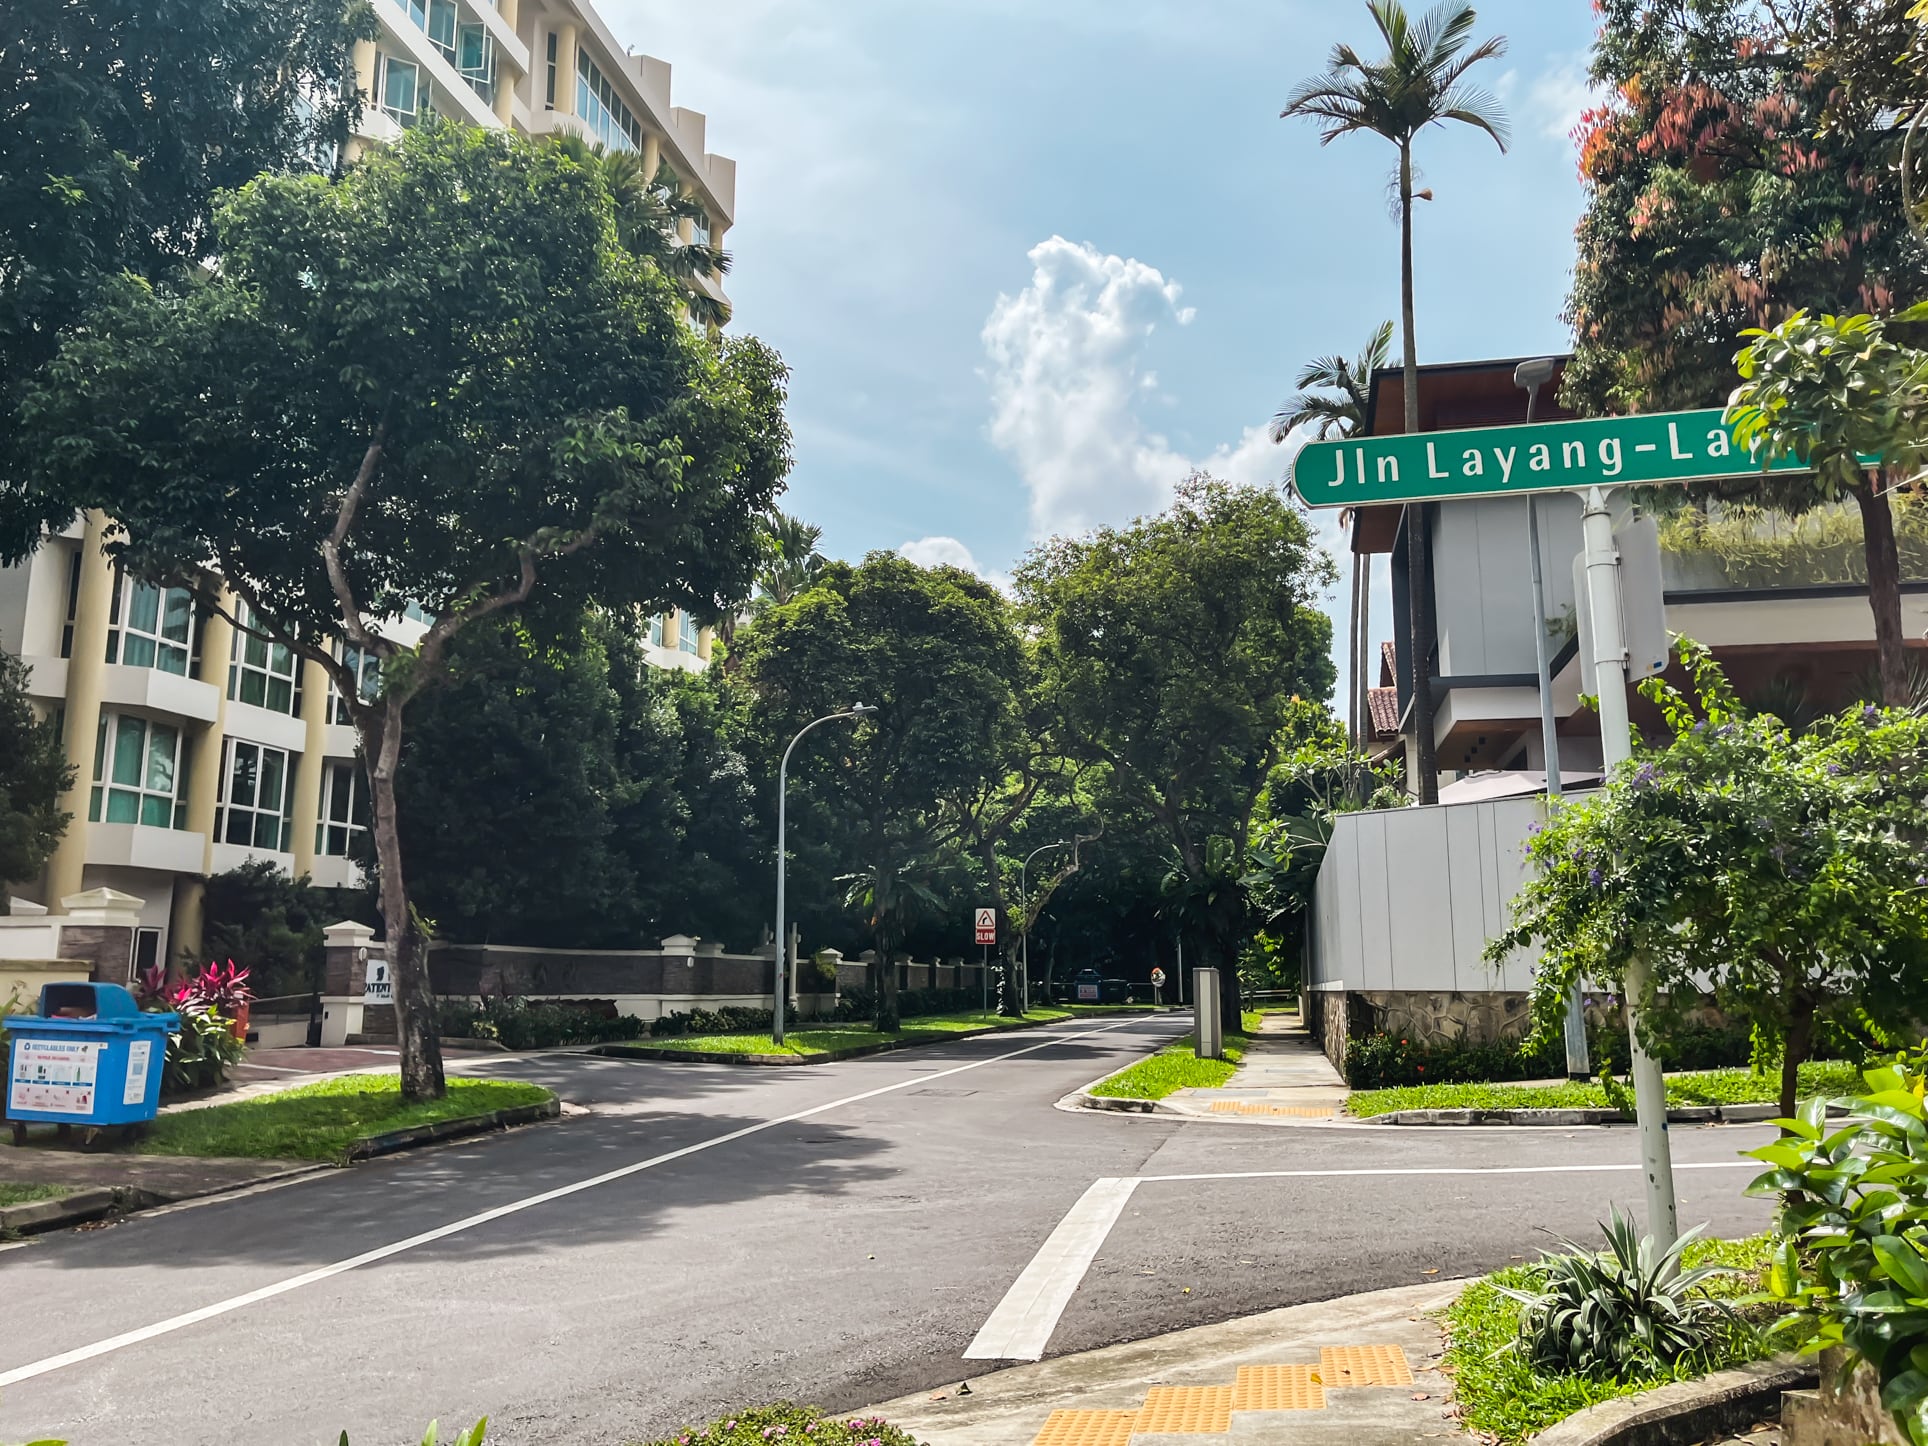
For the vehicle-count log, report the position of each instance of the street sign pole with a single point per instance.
(1609, 650)
(984, 981)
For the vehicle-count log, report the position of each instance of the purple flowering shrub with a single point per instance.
(796, 1425)
(1781, 873)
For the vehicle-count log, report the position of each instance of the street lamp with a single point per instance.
(855, 710)
(1024, 934)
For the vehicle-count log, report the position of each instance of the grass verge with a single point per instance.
(818, 1039)
(1708, 1087)
(1502, 1399)
(20, 1193)
(1175, 1067)
(320, 1121)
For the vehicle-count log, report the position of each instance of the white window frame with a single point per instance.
(263, 821)
(344, 810)
(254, 656)
(688, 633)
(367, 668)
(124, 636)
(157, 791)
(382, 73)
(656, 631)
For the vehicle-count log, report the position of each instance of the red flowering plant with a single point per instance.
(221, 988)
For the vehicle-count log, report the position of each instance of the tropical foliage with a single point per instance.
(1784, 870)
(33, 773)
(1316, 406)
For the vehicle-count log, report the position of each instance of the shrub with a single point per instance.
(799, 1424)
(1387, 1061)
(860, 1004)
(518, 1023)
(1628, 1311)
(730, 1019)
(1854, 1214)
(202, 1052)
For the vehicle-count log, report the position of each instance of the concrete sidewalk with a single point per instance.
(1358, 1371)
(1283, 1076)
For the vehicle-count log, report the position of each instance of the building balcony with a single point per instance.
(142, 846)
(152, 691)
(264, 725)
(333, 872)
(227, 857)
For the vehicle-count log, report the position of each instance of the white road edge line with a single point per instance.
(516, 1207)
(1021, 1326)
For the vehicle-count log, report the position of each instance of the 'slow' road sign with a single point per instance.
(987, 926)
(1542, 457)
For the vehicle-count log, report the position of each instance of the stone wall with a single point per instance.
(106, 949)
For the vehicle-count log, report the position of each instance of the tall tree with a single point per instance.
(120, 122)
(791, 562)
(1344, 413)
(1170, 652)
(1832, 390)
(340, 434)
(1724, 193)
(33, 772)
(1421, 82)
(938, 654)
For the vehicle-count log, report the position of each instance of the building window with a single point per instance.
(263, 673)
(700, 229)
(152, 627)
(656, 631)
(475, 59)
(73, 603)
(602, 110)
(398, 88)
(549, 94)
(141, 782)
(686, 638)
(440, 26)
(257, 797)
(367, 668)
(344, 811)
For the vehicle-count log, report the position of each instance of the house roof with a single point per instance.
(1388, 664)
(1384, 706)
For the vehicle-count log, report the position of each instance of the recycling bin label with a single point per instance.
(54, 1076)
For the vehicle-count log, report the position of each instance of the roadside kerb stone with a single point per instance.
(1686, 1411)
(74, 1208)
(1685, 1115)
(622, 1050)
(387, 1144)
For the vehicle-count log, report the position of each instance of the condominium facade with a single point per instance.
(197, 746)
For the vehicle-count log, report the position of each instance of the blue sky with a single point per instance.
(1030, 260)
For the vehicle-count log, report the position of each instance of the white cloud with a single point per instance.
(1558, 96)
(949, 552)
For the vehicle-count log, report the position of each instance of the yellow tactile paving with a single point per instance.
(1087, 1428)
(1278, 1388)
(1197, 1410)
(1259, 1107)
(1364, 1366)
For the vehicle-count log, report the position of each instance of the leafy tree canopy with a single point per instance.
(1786, 870)
(33, 771)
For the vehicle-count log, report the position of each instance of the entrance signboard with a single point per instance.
(1659, 447)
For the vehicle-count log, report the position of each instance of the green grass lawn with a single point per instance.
(1708, 1087)
(1175, 1067)
(320, 1121)
(1501, 1398)
(816, 1039)
(12, 1193)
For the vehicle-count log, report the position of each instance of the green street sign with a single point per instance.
(1541, 457)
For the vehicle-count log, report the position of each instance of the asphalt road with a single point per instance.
(844, 1257)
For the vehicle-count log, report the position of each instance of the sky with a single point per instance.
(1032, 261)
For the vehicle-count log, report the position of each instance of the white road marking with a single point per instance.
(516, 1207)
(1021, 1326)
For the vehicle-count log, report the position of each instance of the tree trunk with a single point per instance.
(1362, 667)
(1800, 1040)
(1419, 543)
(1884, 588)
(1355, 703)
(415, 1029)
(883, 988)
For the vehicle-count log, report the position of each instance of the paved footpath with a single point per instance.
(695, 1238)
(1283, 1077)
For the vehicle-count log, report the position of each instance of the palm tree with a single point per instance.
(1345, 413)
(648, 210)
(1421, 82)
(791, 562)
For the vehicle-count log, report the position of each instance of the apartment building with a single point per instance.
(538, 67)
(199, 747)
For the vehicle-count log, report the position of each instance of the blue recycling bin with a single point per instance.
(89, 1057)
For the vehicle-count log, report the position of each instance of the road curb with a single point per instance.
(1686, 1411)
(1685, 1115)
(371, 1146)
(76, 1208)
(783, 1061)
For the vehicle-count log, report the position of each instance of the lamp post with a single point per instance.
(1024, 934)
(1530, 376)
(855, 710)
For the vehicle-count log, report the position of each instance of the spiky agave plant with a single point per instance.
(1631, 1309)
